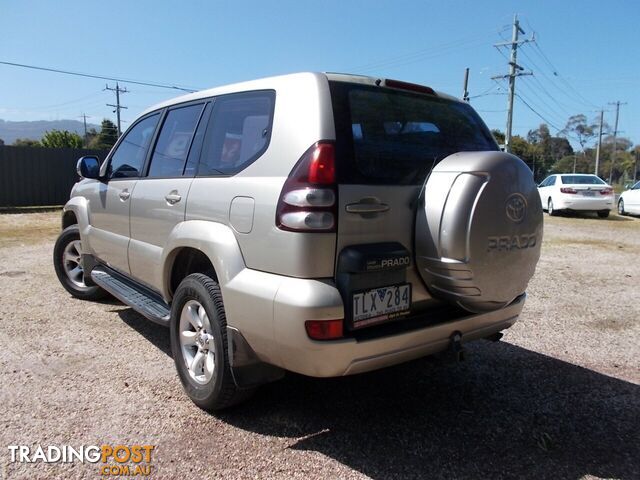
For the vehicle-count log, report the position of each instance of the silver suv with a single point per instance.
(323, 224)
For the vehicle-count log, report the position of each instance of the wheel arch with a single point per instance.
(76, 212)
(198, 246)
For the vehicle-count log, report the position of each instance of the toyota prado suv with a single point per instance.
(323, 224)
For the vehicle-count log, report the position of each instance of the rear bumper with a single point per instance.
(350, 356)
(283, 341)
(574, 202)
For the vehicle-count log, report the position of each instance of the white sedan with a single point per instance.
(629, 201)
(576, 192)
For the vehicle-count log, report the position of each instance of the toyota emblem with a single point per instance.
(516, 207)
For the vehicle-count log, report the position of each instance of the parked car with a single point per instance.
(318, 223)
(576, 192)
(629, 201)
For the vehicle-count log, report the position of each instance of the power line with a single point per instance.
(100, 77)
(419, 55)
(561, 105)
(561, 78)
(550, 109)
(534, 111)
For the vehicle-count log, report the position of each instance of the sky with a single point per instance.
(585, 53)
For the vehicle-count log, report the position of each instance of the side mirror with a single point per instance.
(88, 167)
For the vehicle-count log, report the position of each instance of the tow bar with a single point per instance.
(456, 353)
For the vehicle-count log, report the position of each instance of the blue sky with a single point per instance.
(591, 45)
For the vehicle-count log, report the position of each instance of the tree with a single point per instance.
(573, 163)
(107, 137)
(61, 139)
(26, 142)
(498, 135)
(577, 125)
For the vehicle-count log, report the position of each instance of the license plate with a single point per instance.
(588, 193)
(380, 304)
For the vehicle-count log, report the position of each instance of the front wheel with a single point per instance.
(199, 344)
(67, 261)
(603, 213)
(621, 210)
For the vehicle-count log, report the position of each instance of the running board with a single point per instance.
(140, 298)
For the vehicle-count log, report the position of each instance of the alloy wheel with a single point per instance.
(197, 342)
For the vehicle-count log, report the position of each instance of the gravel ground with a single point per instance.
(559, 397)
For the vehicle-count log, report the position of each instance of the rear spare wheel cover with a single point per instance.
(478, 229)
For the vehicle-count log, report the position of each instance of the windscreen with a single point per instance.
(393, 137)
(581, 180)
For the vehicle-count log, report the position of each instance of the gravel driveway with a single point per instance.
(559, 397)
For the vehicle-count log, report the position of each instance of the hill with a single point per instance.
(10, 131)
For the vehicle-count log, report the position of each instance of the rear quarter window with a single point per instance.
(238, 133)
(386, 136)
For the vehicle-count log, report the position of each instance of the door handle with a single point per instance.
(173, 198)
(124, 195)
(364, 207)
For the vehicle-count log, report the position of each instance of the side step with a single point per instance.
(141, 299)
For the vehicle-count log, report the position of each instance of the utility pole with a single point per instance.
(615, 134)
(599, 142)
(84, 118)
(515, 70)
(117, 106)
(465, 90)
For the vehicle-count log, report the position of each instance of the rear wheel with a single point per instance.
(199, 344)
(621, 207)
(603, 213)
(67, 261)
(550, 209)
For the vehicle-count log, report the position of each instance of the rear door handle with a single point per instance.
(364, 208)
(124, 195)
(173, 198)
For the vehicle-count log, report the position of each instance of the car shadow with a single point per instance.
(508, 412)
(154, 333)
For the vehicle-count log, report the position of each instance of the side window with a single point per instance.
(636, 186)
(238, 133)
(128, 159)
(552, 181)
(545, 182)
(174, 141)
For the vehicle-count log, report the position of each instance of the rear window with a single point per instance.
(391, 137)
(581, 180)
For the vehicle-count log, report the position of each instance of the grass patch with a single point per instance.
(28, 228)
(614, 221)
(53, 208)
(586, 241)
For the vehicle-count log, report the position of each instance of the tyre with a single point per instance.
(67, 261)
(621, 207)
(603, 213)
(199, 344)
(550, 209)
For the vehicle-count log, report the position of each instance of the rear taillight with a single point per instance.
(606, 191)
(324, 329)
(308, 201)
(568, 190)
